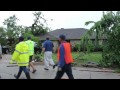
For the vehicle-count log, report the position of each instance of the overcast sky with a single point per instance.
(61, 19)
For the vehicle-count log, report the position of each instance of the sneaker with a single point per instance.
(34, 71)
(15, 76)
(46, 69)
(54, 66)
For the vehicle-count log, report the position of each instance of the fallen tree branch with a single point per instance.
(98, 70)
(12, 65)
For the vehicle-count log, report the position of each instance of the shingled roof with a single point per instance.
(72, 33)
(43, 37)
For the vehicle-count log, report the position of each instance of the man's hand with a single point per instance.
(12, 62)
(59, 68)
(43, 50)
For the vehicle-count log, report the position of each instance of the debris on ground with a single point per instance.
(111, 71)
(90, 64)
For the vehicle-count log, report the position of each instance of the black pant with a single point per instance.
(66, 69)
(23, 68)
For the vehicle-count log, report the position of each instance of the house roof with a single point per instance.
(72, 33)
(43, 37)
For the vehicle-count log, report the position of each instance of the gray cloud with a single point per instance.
(61, 19)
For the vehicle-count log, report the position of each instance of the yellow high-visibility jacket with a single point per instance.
(21, 54)
(31, 47)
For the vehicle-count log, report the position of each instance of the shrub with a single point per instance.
(76, 47)
(90, 46)
(38, 58)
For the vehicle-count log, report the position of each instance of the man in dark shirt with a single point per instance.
(47, 49)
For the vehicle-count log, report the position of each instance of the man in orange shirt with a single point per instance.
(65, 59)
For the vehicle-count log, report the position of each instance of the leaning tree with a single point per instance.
(109, 27)
(38, 27)
(95, 30)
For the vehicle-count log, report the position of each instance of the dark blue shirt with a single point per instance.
(61, 62)
(48, 45)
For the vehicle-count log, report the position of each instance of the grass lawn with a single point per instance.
(81, 58)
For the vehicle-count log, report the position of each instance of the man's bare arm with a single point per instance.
(43, 50)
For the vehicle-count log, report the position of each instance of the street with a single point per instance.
(78, 72)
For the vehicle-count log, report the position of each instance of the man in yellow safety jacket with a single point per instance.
(31, 44)
(21, 56)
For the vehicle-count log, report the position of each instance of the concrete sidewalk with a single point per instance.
(78, 72)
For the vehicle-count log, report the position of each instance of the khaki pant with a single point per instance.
(48, 59)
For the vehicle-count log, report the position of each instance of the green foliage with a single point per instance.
(12, 29)
(95, 30)
(111, 55)
(10, 34)
(76, 48)
(26, 35)
(109, 27)
(82, 58)
(89, 22)
(90, 46)
(2, 36)
(86, 44)
(83, 43)
(38, 58)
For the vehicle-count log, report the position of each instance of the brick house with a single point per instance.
(73, 35)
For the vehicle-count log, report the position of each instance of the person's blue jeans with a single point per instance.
(26, 71)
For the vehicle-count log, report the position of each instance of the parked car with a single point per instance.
(5, 49)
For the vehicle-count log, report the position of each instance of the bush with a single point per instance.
(98, 48)
(90, 46)
(110, 57)
(38, 58)
(110, 60)
(76, 47)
